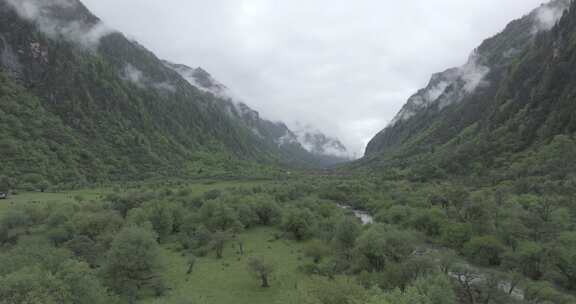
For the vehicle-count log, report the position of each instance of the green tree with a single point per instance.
(216, 215)
(316, 250)
(347, 232)
(340, 290)
(34, 181)
(485, 250)
(262, 269)
(219, 239)
(299, 222)
(381, 244)
(530, 259)
(564, 258)
(267, 211)
(5, 184)
(455, 235)
(437, 288)
(133, 263)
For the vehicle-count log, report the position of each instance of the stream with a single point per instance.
(366, 218)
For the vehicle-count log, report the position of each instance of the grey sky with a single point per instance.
(345, 67)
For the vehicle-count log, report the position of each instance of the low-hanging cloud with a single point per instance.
(41, 12)
(473, 73)
(346, 67)
(135, 76)
(548, 15)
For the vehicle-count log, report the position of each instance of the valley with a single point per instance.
(126, 178)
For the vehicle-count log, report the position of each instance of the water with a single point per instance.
(364, 216)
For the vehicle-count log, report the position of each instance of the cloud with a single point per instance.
(164, 86)
(346, 67)
(134, 75)
(42, 13)
(137, 77)
(473, 73)
(549, 14)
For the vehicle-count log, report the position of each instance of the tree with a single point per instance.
(564, 258)
(5, 184)
(219, 239)
(485, 250)
(381, 244)
(437, 288)
(267, 211)
(544, 292)
(35, 181)
(133, 262)
(191, 261)
(429, 221)
(455, 235)
(162, 215)
(216, 215)
(466, 276)
(261, 269)
(530, 259)
(299, 222)
(13, 223)
(34, 271)
(316, 250)
(32, 285)
(347, 232)
(84, 248)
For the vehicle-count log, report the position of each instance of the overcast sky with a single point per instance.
(345, 67)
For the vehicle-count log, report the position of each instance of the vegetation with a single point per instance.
(471, 204)
(170, 242)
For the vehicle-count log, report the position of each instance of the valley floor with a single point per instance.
(227, 280)
(321, 251)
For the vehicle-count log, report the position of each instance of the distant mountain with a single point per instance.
(306, 144)
(513, 95)
(319, 143)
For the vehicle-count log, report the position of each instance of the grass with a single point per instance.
(50, 197)
(227, 280)
(214, 281)
(197, 187)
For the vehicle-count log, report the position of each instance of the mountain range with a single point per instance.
(82, 103)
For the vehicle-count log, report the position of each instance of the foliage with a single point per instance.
(133, 263)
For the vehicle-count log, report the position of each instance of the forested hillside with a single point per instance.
(501, 113)
(105, 108)
(296, 147)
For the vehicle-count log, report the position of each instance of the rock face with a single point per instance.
(468, 100)
(305, 143)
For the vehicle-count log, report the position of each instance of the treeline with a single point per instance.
(108, 251)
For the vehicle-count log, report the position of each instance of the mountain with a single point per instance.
(81, 103)
(514, 96)
(319, 143)
(304, 144)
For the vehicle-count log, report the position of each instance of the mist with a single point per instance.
(345, 68)
(41, 12)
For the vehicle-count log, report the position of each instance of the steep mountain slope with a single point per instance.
(82, 103)
(302, 146)
(514, 94)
